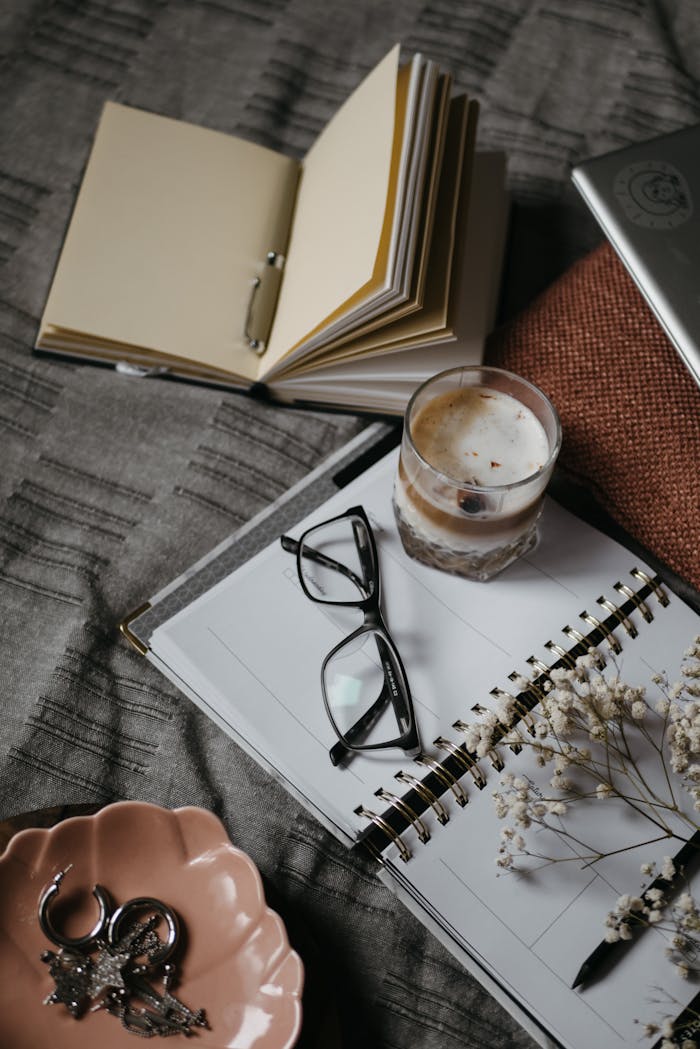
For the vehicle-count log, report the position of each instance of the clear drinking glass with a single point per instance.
(479, 446)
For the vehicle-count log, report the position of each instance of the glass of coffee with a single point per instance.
(479, 446)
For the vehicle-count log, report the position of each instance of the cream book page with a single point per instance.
(340, 210)
(429, 322)
(171, 225)
(384, 380)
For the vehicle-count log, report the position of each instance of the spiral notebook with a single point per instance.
(237, 635)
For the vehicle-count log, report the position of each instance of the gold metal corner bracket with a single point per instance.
(125, 629)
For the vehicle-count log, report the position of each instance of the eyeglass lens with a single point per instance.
(364, 691)
(337, 563)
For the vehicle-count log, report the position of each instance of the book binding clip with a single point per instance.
(262, 303)
(139, 371)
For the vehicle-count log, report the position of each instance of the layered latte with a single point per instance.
(471, 478)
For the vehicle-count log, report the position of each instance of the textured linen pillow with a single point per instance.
(630, 410)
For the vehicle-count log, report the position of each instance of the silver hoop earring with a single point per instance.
(75, 942)
(118, 919)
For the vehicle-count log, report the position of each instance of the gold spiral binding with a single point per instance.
(659, 592)
(464, 758)
(478, 709)
(522, 711)
(576, 635)
(532, 687)
(445, 778)
(380, 822)
(564, 656)
(372, 848)
(581, 639)
(643, 607)
(538, 664)
(609, 636)
(426, 794)
(619, 615)
(493, 755)
(525, 715)
(407, 812)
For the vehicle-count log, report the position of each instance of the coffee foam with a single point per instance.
(480, 436)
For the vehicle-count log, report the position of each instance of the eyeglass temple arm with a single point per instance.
(363, 551)
(292, 547)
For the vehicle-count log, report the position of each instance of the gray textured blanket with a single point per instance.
(110, 486)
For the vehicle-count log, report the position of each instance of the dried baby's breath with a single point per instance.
(584, 735)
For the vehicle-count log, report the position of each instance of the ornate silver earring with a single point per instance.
(124, 915)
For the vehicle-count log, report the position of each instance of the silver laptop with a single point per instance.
(646, 197)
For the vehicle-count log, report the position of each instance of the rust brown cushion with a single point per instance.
(630, 411)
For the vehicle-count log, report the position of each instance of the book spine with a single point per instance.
(445, 777)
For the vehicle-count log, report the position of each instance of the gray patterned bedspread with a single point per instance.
(110, 486)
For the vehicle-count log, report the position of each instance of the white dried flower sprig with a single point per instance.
(584, 732)
(675, 1032)
(679, 918)
(668, 1041)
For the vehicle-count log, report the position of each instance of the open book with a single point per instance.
(239, 637)
(345, 278)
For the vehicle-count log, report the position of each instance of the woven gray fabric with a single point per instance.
(110, 486)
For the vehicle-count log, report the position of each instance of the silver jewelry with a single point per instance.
(71, 974)
(77, 942)
(121, 916)
(113, 966)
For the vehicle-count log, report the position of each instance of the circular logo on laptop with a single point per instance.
(653, 194)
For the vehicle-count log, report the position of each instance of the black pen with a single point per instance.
(685, 1026)
(605, 954)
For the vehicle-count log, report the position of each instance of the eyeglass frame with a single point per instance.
(373, 621)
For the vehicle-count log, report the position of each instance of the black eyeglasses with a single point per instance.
(364, 685)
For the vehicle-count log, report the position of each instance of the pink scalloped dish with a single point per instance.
(232, 958)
